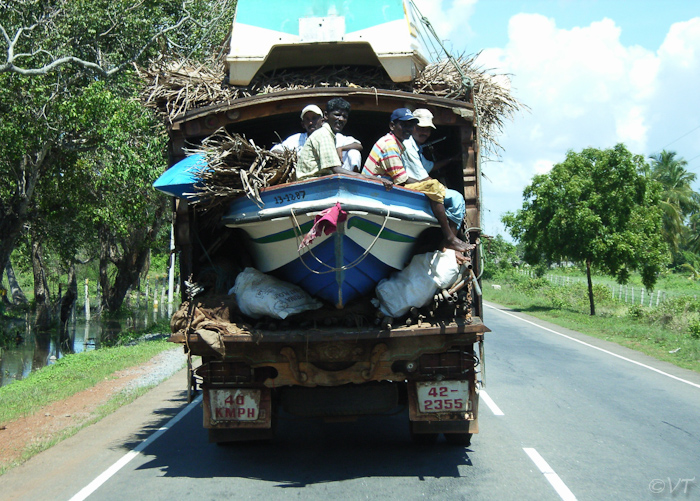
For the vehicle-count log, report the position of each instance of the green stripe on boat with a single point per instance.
(373, 229)
(354, 222)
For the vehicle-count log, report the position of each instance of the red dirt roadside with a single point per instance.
(60, 417)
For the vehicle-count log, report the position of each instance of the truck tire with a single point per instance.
(463, 439)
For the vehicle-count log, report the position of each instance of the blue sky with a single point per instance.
(594, 73)
(643, 22)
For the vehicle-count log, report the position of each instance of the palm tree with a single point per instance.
(678, 200)
(691, 234)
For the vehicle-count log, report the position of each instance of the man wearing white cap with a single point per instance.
(414, 146)
(387, 159)
(419, 167)
(312, 119)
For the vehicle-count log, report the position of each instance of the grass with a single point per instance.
(70, 375)
(668, 333)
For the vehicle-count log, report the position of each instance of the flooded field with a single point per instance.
(39, 349)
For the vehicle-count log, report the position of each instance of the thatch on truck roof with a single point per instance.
(237, 166)
(493, 100)
(176, 87)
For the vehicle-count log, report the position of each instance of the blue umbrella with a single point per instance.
(179, 180)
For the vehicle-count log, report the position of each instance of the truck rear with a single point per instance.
(340, 361)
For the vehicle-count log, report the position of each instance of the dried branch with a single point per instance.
(13, 63)
(174, 88)
(235, 167)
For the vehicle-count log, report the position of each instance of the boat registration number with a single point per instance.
(443, 396)
(235, 404)
(290, 197)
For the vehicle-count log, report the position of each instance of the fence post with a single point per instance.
(658, 295)
(87, 299)
(651, 297)
(632, 294)
(641, 301)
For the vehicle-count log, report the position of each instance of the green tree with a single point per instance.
(598, 208)
(678, 200)
(55, 51)
(499, 254)
(40, 37)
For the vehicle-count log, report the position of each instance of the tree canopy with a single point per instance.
(103, 36)
(596, 207)
(678, 200)
(80, 150)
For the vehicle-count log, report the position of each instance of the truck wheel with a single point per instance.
(423, 438)
(191, 382)
(463, 439)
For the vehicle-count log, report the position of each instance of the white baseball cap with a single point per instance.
(311, 107)
(425, 118)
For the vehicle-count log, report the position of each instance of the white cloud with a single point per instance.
(586, 89)
(450, 18)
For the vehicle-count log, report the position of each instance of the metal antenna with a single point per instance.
(467, 82)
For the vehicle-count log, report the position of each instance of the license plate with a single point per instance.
(235, 404)
(443, 396)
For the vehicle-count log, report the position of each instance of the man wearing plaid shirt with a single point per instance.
(320, 156)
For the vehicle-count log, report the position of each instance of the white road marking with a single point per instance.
(550, 475)
(599, 349)
(109, 472)
(490, 403)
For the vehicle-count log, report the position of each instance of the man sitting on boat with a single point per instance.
(320, 156)
(419, 167)
(417, 142)
(348, 147)
(311, 119)
(386, 159)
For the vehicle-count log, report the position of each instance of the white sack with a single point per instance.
(417, 283)
(259, 295)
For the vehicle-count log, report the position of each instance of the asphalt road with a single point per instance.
(565, 417)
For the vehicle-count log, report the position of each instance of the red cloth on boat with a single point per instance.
(327, 222)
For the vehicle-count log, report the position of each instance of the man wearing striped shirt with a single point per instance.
(385, 160)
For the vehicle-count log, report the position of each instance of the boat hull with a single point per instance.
(377, 237)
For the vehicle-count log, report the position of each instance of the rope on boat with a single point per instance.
(299, 236)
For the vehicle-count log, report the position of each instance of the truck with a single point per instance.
(345, 359)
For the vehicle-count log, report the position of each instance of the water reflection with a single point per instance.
(39, 349)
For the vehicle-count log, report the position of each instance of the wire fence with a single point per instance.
(155, 293)
(629, 294)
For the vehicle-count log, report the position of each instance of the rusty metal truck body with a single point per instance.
(335, 367)
(333, 364)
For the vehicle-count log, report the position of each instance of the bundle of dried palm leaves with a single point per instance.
(492, 97)
(174, 88)
(236, 166)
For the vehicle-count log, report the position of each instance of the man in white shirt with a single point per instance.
(419, 167)
(311, 119)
